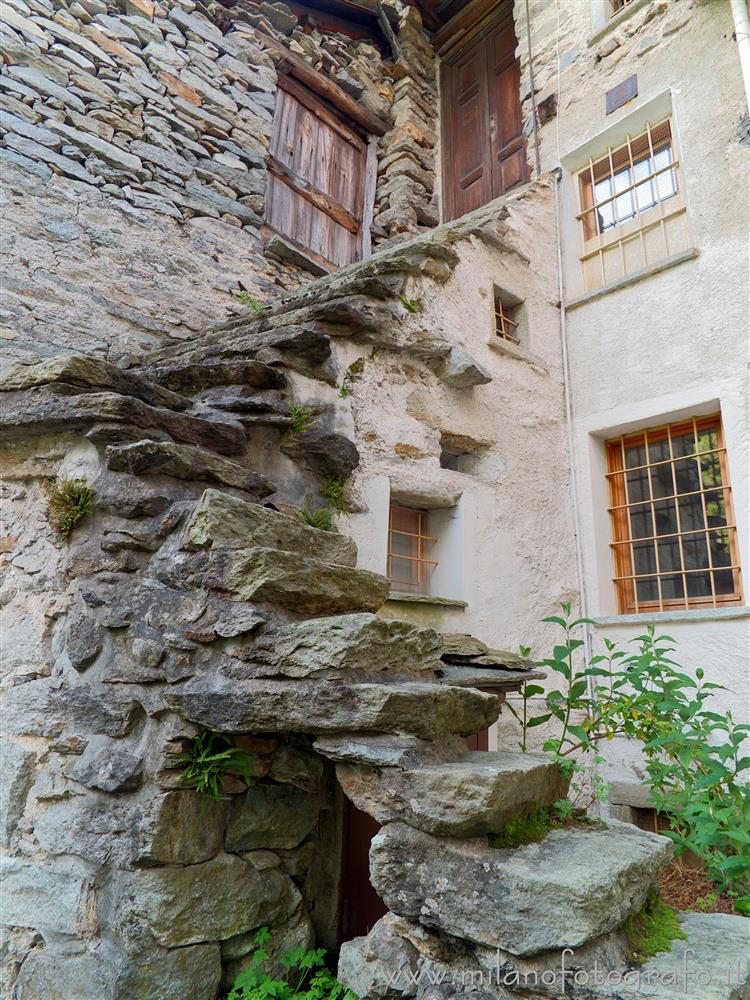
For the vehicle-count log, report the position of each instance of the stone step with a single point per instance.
(184, 461)
(429, 711)
(303, 585)
(221, 521)
(576, 885)
(473, 796)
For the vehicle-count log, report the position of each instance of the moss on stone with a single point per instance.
(652, 930)
(528, 828)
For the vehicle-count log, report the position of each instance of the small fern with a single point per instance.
(315, 517)
(332, 490)
(302, 419)
(210, 758)
(255, 304)
(411, 305)
(69, 502)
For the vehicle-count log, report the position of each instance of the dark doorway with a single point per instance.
(484, 149)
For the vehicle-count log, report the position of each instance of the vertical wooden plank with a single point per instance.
(370, 184)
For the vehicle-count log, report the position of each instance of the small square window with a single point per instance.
(506, 319)
(617, 6)
(410, 567)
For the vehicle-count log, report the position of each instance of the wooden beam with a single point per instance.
(323, 85)
(468, 23)
(370, 186)
(316, 198)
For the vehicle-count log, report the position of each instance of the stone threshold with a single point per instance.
(519, 354)
(689, 615)
(632, 279)
(401, 597)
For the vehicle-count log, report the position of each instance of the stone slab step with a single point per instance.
(472, 796)
(467, 675)
(303, 585)
(221, 521)
(428, 711)
(389, 751)
(576, 885)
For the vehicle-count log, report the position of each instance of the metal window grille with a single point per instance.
(674, 537)
(505, 326)
(630, 203)
(617, 5)
(409, 544)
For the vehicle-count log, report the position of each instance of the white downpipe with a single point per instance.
(742, 35)
(572, 476)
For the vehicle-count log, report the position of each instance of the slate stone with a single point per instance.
(473, 796)
(182, 461)
(389, 751)
(297, 766)
(35, 151)
(572, 887)
(108, 766)
(356, 643)
(271, 816)
(155, 154)
(305, 586)
(17, 775)
(380, 966)
(43, 85)
(327, 454)
(189, 378)
(177, 829)
(220, 521)
(83, 641)
(206, 902)
(50, 897)
(322, 707)
(460, 371)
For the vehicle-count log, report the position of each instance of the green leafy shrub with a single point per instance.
(210, 759)
(306, 976)
(302, 419)
(332, 490)
(255, 304)
(352, 375)
(697, 772)
(411, 305)
(652, 930)
(69, 502)
(315, 517)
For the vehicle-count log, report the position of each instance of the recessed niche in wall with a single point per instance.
(509, 317)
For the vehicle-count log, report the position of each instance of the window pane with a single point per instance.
(658, 450)
(691, 513)
(644, 557)
(672, 588)
(666, 517)
(716, 509)
(687, 475)
(683, 444)
(669, 555)
(635, 454)
(724, 582)
(699, 585)
(647, 589)
(638, 485)
(641, 521)
(721, 553)
(710, 471)
(695, 550)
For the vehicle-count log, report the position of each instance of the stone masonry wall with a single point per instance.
(134, 138)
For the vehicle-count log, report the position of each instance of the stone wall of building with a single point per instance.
(134, 141)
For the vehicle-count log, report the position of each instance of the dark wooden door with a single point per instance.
(484, 149)
(360, 907)
(315, 192)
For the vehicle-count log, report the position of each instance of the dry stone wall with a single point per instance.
(134, 145)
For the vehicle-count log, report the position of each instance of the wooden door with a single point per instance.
(315, 192)
(360, 907)
(484, 150)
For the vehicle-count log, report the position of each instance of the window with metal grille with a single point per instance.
(674, 538)
(409, 545)
(632, 208)
(617, 5)
(506, 323)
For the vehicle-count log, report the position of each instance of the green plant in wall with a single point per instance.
(315, 517)
(332, 490)
(210, 759)
(652, 930)
(302, 419)
(305, 976)
(411, 305)
(70, 500)
(351, 377)
(246, 299)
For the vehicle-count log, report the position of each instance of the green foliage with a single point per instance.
(332, 490)
(302, 419)
(305, 977)
(697, 772)
(315, 517)
(352, 376)
(69, 502)
(529, 828)
(411, 305)
(652, 930)
(211, 758)
(255, 304)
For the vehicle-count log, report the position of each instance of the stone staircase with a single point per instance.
(189, 605)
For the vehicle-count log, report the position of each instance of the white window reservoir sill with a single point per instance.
(696, 615)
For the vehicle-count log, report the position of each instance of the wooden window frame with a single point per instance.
(651, 140)
(505, 327)
(424, 542)
(624, 577)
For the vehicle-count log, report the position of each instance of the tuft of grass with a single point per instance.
(332, 490)
(255, 304)
(352, 375)
(652, 930)
(210, 758)
(69, 502)
(315, 517)
(302, 419)
(411, 305)
(528, 828)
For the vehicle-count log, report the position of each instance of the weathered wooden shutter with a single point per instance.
(484, 150)
(315, 193)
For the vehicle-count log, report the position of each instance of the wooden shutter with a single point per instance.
(484, 150)
(315, 193)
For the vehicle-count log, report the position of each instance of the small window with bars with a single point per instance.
(506, 320)
(617, 6)
(409, 545)
(674, 538)
(632, 208)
